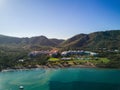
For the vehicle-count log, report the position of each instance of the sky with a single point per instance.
(60, 19)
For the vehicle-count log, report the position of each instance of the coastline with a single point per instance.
(53, 67)
(47, 67)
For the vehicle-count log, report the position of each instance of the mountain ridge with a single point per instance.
(102, 39)
(36, 40)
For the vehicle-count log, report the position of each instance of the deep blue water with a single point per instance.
(61, 79)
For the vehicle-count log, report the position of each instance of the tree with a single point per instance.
(42, 59)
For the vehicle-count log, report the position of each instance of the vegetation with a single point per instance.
(16, 57)
(14, 51)
(105, 39)
(10, 56)
(54, 59)
(38, 41)
(114, 60)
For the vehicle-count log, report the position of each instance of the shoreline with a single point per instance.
(47, 67)
(58, 66)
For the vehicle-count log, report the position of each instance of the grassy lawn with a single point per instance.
(82, 62)
(53, 59)
(105, 60)
(77, 61)
(100, 60)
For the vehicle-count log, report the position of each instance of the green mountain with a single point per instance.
(38, 40)
(103, 39)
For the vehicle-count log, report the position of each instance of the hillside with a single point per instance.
(104, 39)
(8, 39)
(38, 40)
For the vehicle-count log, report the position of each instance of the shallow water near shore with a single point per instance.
(61, 79)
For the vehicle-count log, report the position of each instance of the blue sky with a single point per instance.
(58, 18)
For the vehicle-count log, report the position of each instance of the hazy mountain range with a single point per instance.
(104, 39)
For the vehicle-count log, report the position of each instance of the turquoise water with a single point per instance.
(61, 79)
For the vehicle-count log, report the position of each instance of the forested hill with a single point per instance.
(38, 40)
(103, 39)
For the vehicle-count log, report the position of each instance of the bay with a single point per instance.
(61, 79)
